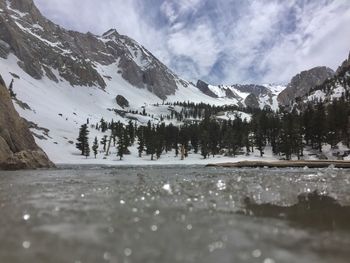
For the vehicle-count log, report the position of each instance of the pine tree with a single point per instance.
(214, 137)
(318, 126)
(95, 147)
(12, 94)
(204, 144)
(151, 145)
(109, 145)
(83, 141)
(258, 124)
(86, 150)
(127, 141)
(131, 131)
(103, 125)
(121, 146)
(141, 142)
(104, 142)
(159, 148)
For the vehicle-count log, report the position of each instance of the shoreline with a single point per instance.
(283, 164)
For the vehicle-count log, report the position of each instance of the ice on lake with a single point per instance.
(166, 214)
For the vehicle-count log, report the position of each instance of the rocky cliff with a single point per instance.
(18, 149)
(334, 88)
(302, 83)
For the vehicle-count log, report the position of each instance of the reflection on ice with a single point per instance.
(26, 244)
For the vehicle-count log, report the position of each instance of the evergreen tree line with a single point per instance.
(191, 110)
(288, 133)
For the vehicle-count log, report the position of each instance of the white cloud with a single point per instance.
(198, 44)
(252, 40)
(188, 5)
(173, 10)
(320, 38)
(168, 9)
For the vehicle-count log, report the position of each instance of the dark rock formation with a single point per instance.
(252, 102)
(204, 87)
(312, 210)
(257, 90)
(230, 94)
(18, 149)
(302, 83)
(122, 101)
(344, 68)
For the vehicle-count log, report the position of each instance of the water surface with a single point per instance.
(164, 214)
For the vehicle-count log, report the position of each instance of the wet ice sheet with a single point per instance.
(163, 214)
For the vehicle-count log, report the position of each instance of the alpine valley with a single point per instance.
(60, 80)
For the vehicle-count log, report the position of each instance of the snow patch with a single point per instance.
(17, 12)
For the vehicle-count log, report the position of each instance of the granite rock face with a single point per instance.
(338, 86)
(251, 101)
(122, 101)
(302, 83)
(257, 90)
(18, 149)
(44, 48)
(204, 87)
(344, 68)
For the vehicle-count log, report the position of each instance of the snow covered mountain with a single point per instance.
(253, 96)
(62, 78)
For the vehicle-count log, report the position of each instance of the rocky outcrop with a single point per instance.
(46, 49)
(204, 87)
(252, 102)
(18, 149)
(344, 68)
(122, 101)
(139, 67)
(338, 86)
(302, 83)
(257, 90)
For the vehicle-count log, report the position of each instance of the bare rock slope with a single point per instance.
(302, 83)
(18, 149)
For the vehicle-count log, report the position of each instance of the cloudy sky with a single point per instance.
(221, 41)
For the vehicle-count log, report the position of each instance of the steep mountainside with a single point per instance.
(18, 149)
(43, 48)
(302, 83)
(333, 88)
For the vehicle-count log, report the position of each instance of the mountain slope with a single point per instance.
(333, 88)
(43, 47)
(303, 82)
(63, 78)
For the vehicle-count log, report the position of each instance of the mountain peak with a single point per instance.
(110, 33)
(303, 82)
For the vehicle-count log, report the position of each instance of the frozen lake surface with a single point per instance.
(164, 214)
